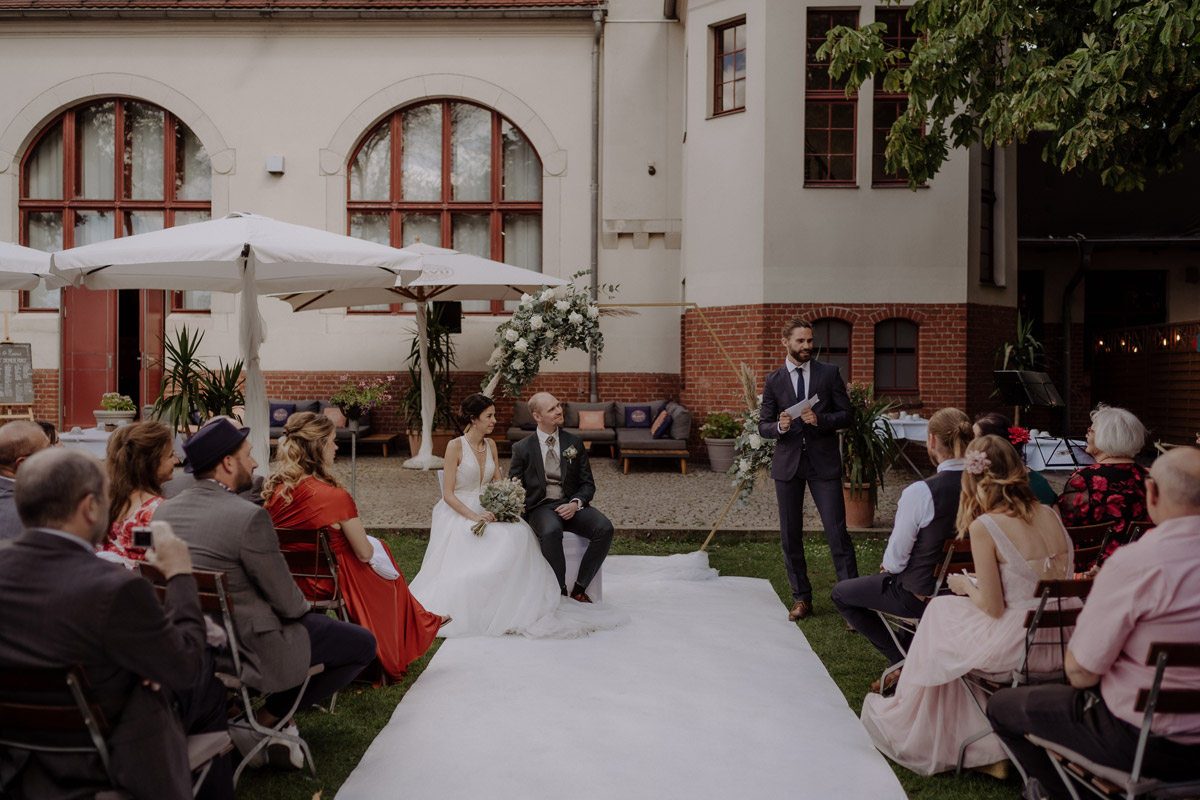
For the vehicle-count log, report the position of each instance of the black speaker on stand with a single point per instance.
(448, 314)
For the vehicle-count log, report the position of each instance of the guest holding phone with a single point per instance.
(140, 458)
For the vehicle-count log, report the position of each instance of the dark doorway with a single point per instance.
(128, 345)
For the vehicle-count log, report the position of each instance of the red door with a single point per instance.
(89, 346)
(153, 307)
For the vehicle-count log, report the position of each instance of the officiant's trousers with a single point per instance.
(588, 523)
(827, 495)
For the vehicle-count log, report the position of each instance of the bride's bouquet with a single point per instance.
(505, 499)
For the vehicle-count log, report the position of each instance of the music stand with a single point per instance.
(1029, 389)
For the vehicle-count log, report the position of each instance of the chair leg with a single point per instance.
(683, 466)
(626, 466)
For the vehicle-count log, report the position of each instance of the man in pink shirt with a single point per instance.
(1148, 591)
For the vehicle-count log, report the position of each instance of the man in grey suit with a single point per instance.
(61, 605)
(18, 441)
(278, 636)
(807, 452)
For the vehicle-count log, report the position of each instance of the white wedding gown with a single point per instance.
(499, 582)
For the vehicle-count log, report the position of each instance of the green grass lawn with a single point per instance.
(339, 740)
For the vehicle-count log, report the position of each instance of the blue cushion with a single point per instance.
(280, 413)
(663, 428)
(528, 426)
(637, 417)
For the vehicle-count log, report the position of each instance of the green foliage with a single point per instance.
(191, 391)
(356, 400)
(868, 448)
(720, 425)
(440, 353)
(1024, 352)
(114, 401)
(1115, 82)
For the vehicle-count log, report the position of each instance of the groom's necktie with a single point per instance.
(553, 471)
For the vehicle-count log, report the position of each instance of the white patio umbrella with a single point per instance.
(446, 275)
(244, 253)
(22, 268)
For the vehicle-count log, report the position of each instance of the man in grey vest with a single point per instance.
(924, 520)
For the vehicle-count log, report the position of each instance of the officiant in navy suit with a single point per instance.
(807, 453)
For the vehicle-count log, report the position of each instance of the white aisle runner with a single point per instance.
(708, 692)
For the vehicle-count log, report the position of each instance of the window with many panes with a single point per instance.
(829, 117)
(729, 68)
(107, 169)
(896, 356)
(831, 341)
(449, 174)
(888, 107)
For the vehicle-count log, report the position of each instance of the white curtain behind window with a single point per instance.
(371, 172)
(44, 168)
(421, 154)
(96, 145)
(44, 231)
(471, 154)
(144, 152)
(193, 171)
(522, 244)
(522, 170)
(472, 234)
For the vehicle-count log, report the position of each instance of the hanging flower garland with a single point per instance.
(542, 327)
(754, 455)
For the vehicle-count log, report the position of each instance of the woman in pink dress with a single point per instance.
(140, 459)
(1015, 542)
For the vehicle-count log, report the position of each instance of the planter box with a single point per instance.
(111, 420)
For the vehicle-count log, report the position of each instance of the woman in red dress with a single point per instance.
(140, 458)
(302, 494)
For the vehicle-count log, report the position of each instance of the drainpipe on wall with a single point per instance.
(1084, 248)
(598, 31)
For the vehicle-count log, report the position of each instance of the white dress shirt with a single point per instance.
(913, 512)
(803, 393)
(542, 447)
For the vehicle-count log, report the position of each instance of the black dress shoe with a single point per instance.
(800, 610)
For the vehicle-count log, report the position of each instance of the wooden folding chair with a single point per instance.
(1106, 781)
(316, 562)
(216, 601)
(1089, 542)
(48, 710)
(1138, 529)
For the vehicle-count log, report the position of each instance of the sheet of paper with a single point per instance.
(807, 402)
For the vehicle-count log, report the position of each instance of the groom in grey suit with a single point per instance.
(553, 467)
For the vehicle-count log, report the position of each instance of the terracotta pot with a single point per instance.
(441, 438)
(720, 454)
(860, 509)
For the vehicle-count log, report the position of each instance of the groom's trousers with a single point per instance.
(586, 522)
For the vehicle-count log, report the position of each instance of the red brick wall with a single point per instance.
(45, 395)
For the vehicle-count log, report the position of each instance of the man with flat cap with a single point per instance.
(279, 638)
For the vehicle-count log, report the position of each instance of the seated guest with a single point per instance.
(924, 521)
(302, 494)
(50, 431)
(18, 441)
(993, 423)
(60, 605)
(186, 480)
(140, 458)
(1015, 542)
(279, 638)
(1114, 488)
(1148, 591)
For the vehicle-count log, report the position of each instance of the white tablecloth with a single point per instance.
(1046, 453)
(93, 440)
(915, 429)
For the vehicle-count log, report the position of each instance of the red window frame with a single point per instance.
(395, 207)
(892, 351)
(738, 26)
(825, 108)
(900, 35)
(70, 204)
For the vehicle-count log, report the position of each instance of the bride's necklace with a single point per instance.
(478, 449)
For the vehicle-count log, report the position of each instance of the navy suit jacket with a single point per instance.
(820, 441)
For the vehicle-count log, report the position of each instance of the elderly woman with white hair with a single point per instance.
(1114, 488)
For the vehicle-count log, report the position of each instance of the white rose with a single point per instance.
(547, 295)
(517, 364)
(535, 321)
(549, 333)
(755, 441)
(562, 305)
(593, 311)
(525, 298)
(520, 345)
(575, 318)
(744, 465)
(511, 335)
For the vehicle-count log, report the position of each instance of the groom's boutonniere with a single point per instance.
(570, 453)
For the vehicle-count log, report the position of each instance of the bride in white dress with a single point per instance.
(498, 582)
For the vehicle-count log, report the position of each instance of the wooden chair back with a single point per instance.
(313, 561)
(957, 557)
(1090, 542)
(1138, 529)
(1170, 701)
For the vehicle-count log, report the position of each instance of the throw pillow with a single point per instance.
(335, 416)
(662, 426)
(637, 416)
(280, 413)
(591, 420)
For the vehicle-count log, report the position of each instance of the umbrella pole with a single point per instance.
(424, 458)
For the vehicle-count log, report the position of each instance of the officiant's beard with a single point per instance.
(800, 356)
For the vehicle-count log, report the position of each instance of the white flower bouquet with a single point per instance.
(505, 499)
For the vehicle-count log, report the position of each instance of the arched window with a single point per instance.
(896, 356)
(453, 174)
(107, 169)
(831, 341)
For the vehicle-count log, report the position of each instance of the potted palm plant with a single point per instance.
(868, 450)
(440, 354)
(720, 431)
(192, 392)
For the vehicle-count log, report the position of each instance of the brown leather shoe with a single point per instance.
(800, 610)
(581, 597)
